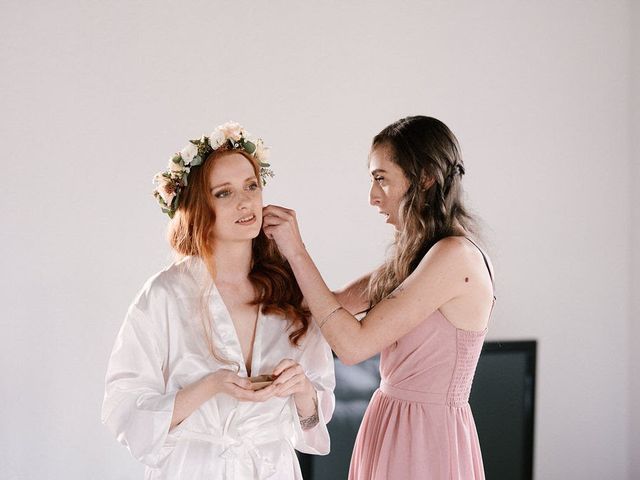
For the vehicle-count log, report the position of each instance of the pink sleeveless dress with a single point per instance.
(418, 424)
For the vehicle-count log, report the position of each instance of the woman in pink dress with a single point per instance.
(427, 309)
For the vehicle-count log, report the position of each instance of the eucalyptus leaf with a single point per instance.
(249, 147)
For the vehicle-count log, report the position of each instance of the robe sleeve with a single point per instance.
(136, 407)
(317, 362)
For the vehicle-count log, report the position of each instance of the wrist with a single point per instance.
(210, 385)
(298, 255)
(306, 402)
(308, 421)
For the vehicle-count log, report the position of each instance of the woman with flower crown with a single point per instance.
(427, 309)
(217, 371)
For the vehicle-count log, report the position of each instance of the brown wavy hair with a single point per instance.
(271, 275)
(433, 207)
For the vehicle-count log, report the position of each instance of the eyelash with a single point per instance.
(378, 179)
(253, 186)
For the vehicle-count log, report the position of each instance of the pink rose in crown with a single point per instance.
(231, 130)
(166, 188)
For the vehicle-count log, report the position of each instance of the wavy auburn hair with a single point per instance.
(433, 207)
(273, 280)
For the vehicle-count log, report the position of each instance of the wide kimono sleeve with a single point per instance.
(317, 362)
(137, 408)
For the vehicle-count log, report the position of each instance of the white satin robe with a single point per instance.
(160, 349)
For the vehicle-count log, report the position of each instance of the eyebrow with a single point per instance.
(253, 177)
(378, 170)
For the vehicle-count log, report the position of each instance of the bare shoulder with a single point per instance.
(459, 248)
(452, 245)
(456, 262)
(450, 253)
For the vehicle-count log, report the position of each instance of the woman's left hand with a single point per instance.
(281, 225)
(291, 380)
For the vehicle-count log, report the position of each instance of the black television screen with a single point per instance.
(502, 401)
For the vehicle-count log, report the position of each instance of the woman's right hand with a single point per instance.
(228, 382)
(189, 398)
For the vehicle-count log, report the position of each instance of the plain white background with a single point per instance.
(543, 97)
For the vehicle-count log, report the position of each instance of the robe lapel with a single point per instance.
(223, 325)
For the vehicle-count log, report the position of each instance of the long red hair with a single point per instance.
(274, 283)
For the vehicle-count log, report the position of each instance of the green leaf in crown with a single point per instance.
(248, 146)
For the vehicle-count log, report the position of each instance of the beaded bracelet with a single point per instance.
(311, 421)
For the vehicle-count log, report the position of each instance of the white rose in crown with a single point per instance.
(188, 153)
(232, 130)
(175, 167)
(262, 152)
(217, 138)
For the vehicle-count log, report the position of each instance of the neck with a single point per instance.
(232, 260)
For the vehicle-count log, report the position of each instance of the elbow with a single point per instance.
(351, 350)
(353, 356)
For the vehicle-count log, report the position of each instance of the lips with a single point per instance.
(246, 220)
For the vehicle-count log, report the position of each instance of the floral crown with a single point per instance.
(230, 136)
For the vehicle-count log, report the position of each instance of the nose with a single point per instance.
(374, 194)
(244, 200)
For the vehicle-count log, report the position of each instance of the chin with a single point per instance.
(254, 233)
(249, 235)
(394, 225)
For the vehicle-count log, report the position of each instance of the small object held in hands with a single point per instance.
(261, 381)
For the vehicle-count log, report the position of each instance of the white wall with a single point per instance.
(634, 180)
(96, 95)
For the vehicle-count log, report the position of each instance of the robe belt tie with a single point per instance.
(239, 443)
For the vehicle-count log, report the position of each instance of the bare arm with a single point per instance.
(190, 398)
(429, 286)
(353, 296)
(441, 276)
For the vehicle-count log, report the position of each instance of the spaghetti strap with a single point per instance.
(486, 262)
